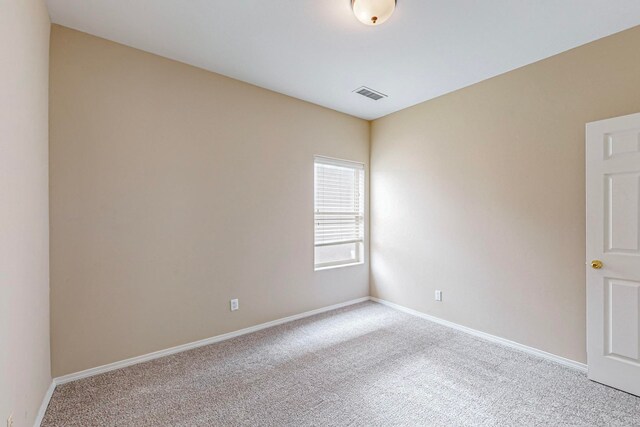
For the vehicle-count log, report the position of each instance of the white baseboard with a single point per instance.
(184, 347)
(530, 350)
(44, 404)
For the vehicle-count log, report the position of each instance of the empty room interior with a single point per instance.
(319, 213)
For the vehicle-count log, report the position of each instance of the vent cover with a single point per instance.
(370, 93)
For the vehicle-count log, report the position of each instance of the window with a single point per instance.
(339, 213)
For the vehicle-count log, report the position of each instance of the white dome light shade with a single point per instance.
(373, 12)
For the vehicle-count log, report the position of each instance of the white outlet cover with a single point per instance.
(235, 305)
(438, 295)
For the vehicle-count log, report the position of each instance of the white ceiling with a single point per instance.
(317, 51)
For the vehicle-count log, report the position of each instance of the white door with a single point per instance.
(613, 252)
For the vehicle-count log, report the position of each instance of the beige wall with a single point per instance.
(174, 189)
(24, 220)
(480, 193)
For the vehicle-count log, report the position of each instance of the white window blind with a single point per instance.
(339, 212)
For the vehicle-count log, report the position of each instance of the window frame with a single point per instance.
(359, 244)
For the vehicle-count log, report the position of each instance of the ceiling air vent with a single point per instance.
(370, 93)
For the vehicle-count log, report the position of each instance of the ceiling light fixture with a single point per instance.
(373, 12)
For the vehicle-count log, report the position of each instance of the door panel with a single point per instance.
(613, 237)
(622, 208)
(623, 142)
(621, 326)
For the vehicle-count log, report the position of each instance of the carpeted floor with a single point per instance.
(364, 365)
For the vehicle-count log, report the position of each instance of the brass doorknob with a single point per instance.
(597, 264)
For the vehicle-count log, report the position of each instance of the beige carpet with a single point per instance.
(364, 365)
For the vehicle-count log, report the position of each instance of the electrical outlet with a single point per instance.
(10, 421)
(235, 305)
(438, 295)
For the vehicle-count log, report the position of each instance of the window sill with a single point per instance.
(331, 267)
